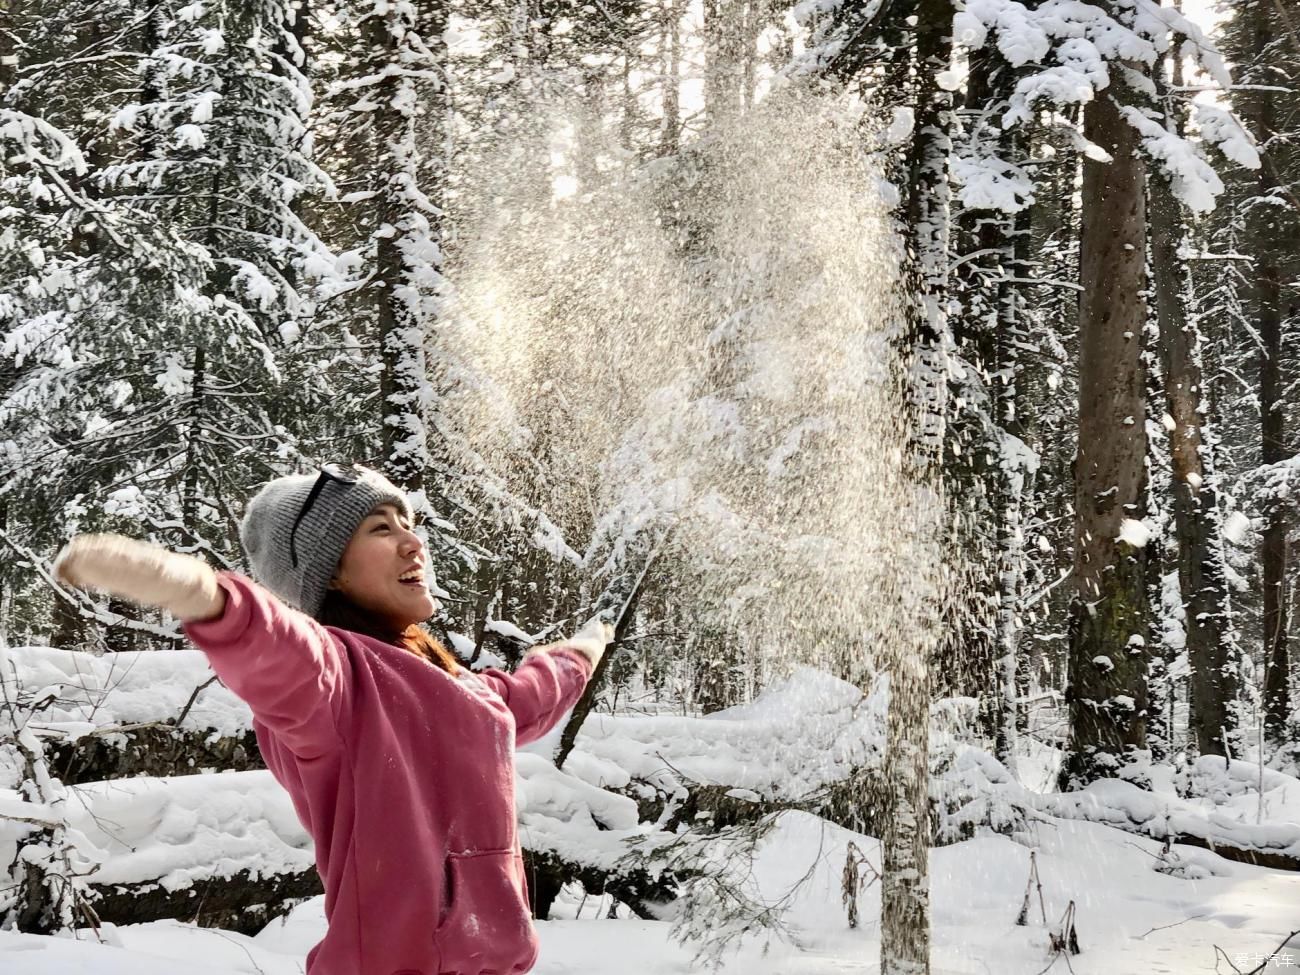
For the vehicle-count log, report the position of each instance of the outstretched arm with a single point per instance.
(293, 672)
(549, 681)
(289, 669)
(147, 574)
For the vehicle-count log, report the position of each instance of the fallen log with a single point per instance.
(246, 903)
(154, 749)
(1175, 819)
(645, 896)
(1258, 858)
(241, 902)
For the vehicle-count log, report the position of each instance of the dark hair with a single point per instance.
(338, 610)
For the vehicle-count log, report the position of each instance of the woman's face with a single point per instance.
(382, 569)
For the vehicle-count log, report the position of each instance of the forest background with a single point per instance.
(238, 239)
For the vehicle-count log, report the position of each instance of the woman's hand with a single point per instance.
(590, 640)
(147, 574)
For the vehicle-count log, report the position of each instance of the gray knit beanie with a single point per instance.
(321, 537)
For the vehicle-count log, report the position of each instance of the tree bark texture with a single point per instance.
(410, 137)
(1108, 615)
(1267, 235)
(1198, 524)
(905, 840)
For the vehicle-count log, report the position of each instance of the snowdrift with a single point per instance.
(226, 846)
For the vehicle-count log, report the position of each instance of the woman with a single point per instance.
(399, 762)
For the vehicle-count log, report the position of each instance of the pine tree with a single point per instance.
(990, 466)
(156, 403)
(1210, 640)
(1107, 49)
(1107, 683)
(1261, 40)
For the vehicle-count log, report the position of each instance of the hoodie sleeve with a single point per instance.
(289, 669)
(541, 689)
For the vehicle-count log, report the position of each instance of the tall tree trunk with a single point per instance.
(1202, 575)
(1020, 665)
(1108, 615)
(1053, 220)
(291, 49)
(628, 108)
(9, 19)
(1264, 234)
(905, 887)
(1165, 681)
(752, 25)
(194, 446)
(154, 80)
(991, 320)
(1011, 483)
(724, 52)
(1277, 663)
(410, 127)
(219, 283)
(671, 130)
(6, 615)
(10, 16)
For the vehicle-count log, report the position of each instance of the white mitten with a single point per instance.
(147, 574)
(590, 640)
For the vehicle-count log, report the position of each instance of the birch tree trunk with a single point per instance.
(905, 887)
(1106, 689)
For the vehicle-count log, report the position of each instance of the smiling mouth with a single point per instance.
(412, 579)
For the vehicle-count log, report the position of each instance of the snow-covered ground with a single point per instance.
(1129, 918)
(1190, 914)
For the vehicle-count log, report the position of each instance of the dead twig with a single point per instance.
(1023, 917)
(1258, 969)
(1065, 942)
(1161, 927)
(193, 697)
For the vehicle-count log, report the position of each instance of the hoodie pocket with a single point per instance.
(486, 927)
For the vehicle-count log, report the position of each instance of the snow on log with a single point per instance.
(102, 691)
(1221, 808)
(115, 715)
(787, 745)
(226, 849)
(150, 750)
(243, 902)
(574, 830)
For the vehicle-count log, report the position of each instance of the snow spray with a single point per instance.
(696, 353)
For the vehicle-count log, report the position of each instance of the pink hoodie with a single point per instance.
(403, 775)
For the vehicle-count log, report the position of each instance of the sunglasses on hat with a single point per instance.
(339, 473)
